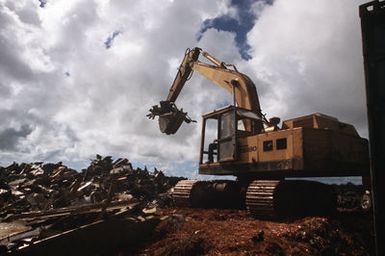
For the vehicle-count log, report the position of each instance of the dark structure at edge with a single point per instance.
(373, 40)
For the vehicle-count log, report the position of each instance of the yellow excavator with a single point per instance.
(264, 158)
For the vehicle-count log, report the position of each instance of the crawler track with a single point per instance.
(208, 194)
(280, 198)
(182, 193)
(260, 197)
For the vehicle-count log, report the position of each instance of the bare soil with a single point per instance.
(235, 232)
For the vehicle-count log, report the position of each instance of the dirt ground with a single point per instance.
(235, 232)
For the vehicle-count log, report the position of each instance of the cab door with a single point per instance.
(227, 139)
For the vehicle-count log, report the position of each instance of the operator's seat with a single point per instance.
(213, 150)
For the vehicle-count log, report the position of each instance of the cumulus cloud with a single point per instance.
(10, 137)
(307, 57)
(238, 19)
(78, 99)
(65, 97)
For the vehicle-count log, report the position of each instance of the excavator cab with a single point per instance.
(221, 130)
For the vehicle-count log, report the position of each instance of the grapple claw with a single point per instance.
(170, 117)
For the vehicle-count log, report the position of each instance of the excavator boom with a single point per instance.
(240, 85)
(183, 73)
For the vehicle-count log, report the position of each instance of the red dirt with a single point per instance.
(234, 232)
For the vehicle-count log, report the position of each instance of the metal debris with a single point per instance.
(44, 202)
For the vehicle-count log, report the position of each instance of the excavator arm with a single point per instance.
(240, 85)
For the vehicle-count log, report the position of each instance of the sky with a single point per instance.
(77, 77)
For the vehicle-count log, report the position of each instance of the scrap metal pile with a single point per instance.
(38, 186)
(40, 201)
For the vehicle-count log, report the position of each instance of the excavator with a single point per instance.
(266, 159)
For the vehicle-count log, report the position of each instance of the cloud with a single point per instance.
(65, 97)
(100, 103)
(239, 19)
(9, 138)
(307, 57)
